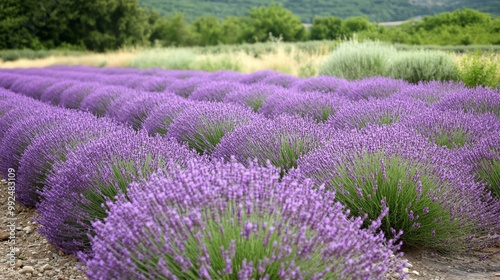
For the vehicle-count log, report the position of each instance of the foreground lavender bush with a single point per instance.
(136, 110)
(453, 129)
(215, 91)
(52, 94)
(160, 119)
(323, 84)
(73, 96)
(185, 87)
(371, 88)
(478, 100)
(100, 99)
(429, 92)
(52, 147)
(431, 194)
(7, 79)
(32, 86)
(92, 174)
(225, 221)
(203, 125)
(485, 158)
(281, 141)
(253, 95)
(23, 132)
(315, 105)
(375, 112)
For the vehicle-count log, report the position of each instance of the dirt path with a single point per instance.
(35, 258)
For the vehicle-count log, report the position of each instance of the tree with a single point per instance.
(356, 24)
(234, 29)
(278, 21)
(207, 31)
(171, 31)
(327, 28)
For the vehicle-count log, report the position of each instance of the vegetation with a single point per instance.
(378, 11)
(105, 25)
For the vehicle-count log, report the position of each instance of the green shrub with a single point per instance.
(357, 60)
(422, 65)
(478, 69)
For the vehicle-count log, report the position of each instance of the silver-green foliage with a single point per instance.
(357, 60)
(421, 65)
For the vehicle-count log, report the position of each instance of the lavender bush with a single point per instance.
(431, 194)
(478, 100)
(323, 84)
(225, 221)
(52, 94)
(100, 99)
(253, 95)
(160, 119)
(215, 91)
(281, 141)
(371, 88)
(315, 105)
(73, 96)
(203, 125)
(75, 191)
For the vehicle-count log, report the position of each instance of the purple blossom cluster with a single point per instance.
(281, 141)
(371, 88)
(225, 220)
(378, 162)
(203, 125)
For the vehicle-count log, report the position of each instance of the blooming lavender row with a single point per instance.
(69, 163)
(228, 221)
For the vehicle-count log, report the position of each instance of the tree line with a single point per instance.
(102, 25)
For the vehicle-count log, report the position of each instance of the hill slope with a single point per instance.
(375, 10)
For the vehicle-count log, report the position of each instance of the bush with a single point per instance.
(226, 221)
(77, 189)
(281, 141)
(417, 66)
(431, 194)
(355, 60)
(478, 69)
(203, 125)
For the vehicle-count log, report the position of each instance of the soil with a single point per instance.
(36, 258)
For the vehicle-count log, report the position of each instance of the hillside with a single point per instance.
(375, 10)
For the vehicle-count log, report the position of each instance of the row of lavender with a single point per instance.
(195, 218)
(441, 205)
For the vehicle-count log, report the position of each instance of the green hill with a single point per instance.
(375, 10)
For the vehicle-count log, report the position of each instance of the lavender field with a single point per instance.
(183, 174)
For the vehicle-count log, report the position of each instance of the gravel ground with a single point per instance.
(35, 258)
(32, 255)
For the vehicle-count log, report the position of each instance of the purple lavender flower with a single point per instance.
(215, 91)
(477, 100)
(376, 112)
(429, 92)
(7, 79)
(451, 128)
(253, 95)
(281, 141)
(23, 132)
(485, 159)
(282, 80)
(371, 88)
(160, 119)
(134, 112)
(100, 99)
(185, 87)
(257, 76)
(53, 93)
(316, 105)
(203, 125)
(73, 96)
(157, 84)
(75, 191)
(32, 86)
(217, 220)
(411, 174)
(53, 146)
(323, 84)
